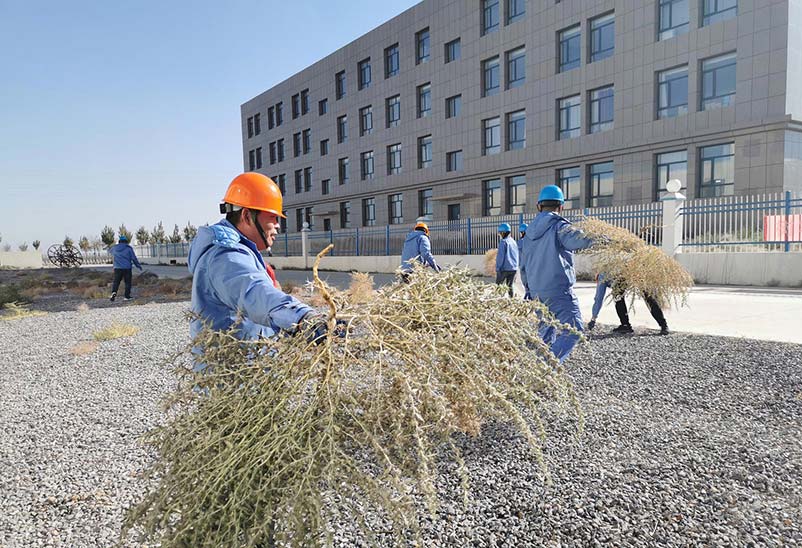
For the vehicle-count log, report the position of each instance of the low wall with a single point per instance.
(762, 269)
(21, 259)
(387, 264)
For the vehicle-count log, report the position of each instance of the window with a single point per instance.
(453, 212)
(271, 117)
(672, 18)
(250, 127)
(304, 101)
(342, 128)
(453, 106)
(424, 151)
(272, 153)
(393, 108)
(394, 159)
(491, 136)
(422, 46)
(322, 106)
(257, 124)
(570, 121)
(366, 165)
(306, 138)
(307, 179)
(259, 158)
(453, 50)
(345, 214)
(516, 9)
(491, 72)
(516, 67)
(672, 92)
(601, 109)
(396, 209)
(324, 147)
(602, 37)
(296, 105)
(327, 225)
(717, 170)
(491, 197)
(569, 47)
(601, 184)
(325, 186)
(299, 181)
(343, 170)
(251, 160)
(368, 211)
(281, 180)
(308, 217)
(516, 130)
(489, 16)
(516, 194)
(299, 219)
(364, 73)
(366, 120)
(424, 100)
(339, 85)
(718, 10)
(671, 165)
(279, 113)
(454, 160)
(718, 81)
(425, 204)
(568, 179)
(391, 64)
(280, 150)
(296, 144)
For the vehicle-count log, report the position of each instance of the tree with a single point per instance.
(107, 236)
(68, 242)
(83, 243)
(36, 244)
(6, 247)
(142, 235)
(175, 238)
(157, 235)
(125, 232)
(23, 246)
(190, 232)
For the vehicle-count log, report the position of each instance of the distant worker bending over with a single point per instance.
(547, 269)
(417, 247)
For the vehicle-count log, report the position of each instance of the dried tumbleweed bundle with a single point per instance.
(490, 262)
(282, 438)
(634, 267)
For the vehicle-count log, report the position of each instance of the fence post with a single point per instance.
(673, 202)
(305, 245)
(787, 220)
(331, 241)
(286, 243)
(470, 238)
(387, 240)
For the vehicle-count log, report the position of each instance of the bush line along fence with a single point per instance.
(767, 222)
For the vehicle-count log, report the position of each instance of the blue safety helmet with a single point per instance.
(551, 193)
(504, 227)
(522, 227)
(123, 238)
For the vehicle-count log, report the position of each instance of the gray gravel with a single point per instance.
(690, 441)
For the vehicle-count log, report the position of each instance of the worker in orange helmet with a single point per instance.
(231, 283)
(417, 247)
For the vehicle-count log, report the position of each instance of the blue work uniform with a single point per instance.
(547, 272)
(506, 262)
(230, 283)
(417, 247)
(602, 286)
(124, 256)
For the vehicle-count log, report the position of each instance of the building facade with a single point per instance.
(466, 108)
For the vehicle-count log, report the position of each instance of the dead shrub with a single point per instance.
(83, 348)
(116, 331)
(361, 288)
(490, 262)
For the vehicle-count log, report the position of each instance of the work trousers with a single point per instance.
(506, 277)
(654, 309)
(119, 275)
(565, 308)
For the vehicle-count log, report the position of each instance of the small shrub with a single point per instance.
(83, 307)
(116, 331)
(15, 311)
(361, 288)
(490, 262)
(83, 348)
(94, 293)
(10, 293)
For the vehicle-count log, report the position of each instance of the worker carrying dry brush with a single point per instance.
(417, 247)
(231, 282)
(547, 268)
(506, 258)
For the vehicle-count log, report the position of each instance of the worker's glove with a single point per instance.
(591, 324)
(315, 327)
(527, 295)
(437, 268)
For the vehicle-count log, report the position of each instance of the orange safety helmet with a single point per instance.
(422, 225)
(254, 191)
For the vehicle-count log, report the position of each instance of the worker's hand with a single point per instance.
(591, 324)
(315, 327)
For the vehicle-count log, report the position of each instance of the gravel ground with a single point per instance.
(689, 441)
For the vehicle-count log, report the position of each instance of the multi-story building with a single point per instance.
(460, 108)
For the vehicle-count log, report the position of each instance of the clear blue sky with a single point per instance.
(128, 112)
